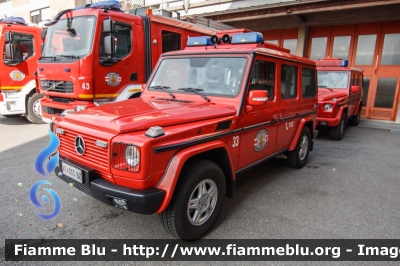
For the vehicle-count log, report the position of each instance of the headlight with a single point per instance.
(132, 155)
(80, 108)
(328, 107)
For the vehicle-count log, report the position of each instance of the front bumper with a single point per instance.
(143, 201)
(330, 121)
(52, 108)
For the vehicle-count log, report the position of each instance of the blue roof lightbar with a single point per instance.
(13, 20)
(248, 37)
(111, 5)
(345, 63)
(199, 41)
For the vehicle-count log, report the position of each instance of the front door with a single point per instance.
(259, 125)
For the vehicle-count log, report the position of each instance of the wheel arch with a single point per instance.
(215, 151)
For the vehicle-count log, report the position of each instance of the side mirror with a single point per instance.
(8, 36)
(108, 26)
(109, 46)
(257, 97)
(355, 88)
(9, 47)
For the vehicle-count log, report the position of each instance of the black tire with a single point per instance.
(299, 156)
(355, 120)
(337, 132)
(33, 113)
(177, 218)
(12, 116)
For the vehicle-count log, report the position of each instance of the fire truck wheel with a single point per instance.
(355, 120)
(337, 132)
(33, 113)
(298, 157)
(197, 201)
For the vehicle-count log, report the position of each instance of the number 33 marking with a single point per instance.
(235, 141)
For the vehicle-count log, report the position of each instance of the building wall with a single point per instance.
(6, 9)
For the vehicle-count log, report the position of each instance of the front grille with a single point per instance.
(57, 86)
(61, 100)
(79, 186)
(94, 156)
(51, 110)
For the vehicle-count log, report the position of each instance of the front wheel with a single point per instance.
(299, 156)
(33, 112)
(197, 201)
(337, 132)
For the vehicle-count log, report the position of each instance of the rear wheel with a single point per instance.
(33, 112)
(337, 132)
(299, 156)
(355, 120)
(197, 201)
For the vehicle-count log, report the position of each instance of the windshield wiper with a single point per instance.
(69, 56)
(325, 87)
(48, 57)
(196, 91)
(164, 88)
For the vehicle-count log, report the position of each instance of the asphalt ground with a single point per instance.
(348, 190)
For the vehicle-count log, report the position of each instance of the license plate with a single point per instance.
(72, 172)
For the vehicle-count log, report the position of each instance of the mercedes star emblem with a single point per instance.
(79, 145)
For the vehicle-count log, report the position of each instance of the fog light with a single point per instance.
(120, 203)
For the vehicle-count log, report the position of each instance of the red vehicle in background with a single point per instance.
(20, 46)
(207, 113)
(340, 91)
(97, 54)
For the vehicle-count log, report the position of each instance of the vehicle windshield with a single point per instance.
(219, 76)
(333, 80)
(70, 37)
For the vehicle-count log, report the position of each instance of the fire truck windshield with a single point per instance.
(70, 37)
(219, 76)
(333, 80)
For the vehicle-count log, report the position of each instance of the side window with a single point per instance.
(355, 79)
(288, 81)
(122, 40)
(23, 46)
(309, 86)
(263, 77)
(171, 41)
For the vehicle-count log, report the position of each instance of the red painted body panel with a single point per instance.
(194, 125)
(23, 83)
(341, 99)
(88, 76)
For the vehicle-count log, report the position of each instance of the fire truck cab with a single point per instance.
(20, 46)
(207, 113)
(97, 54)
(340, 92)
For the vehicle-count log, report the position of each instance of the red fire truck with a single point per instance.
(340, 93)
(207, 113)
(20, 46)
(98, 54)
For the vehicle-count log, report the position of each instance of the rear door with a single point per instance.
(290, 104)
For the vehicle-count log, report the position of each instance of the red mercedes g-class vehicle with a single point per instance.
(207, 113)
(340, 93)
